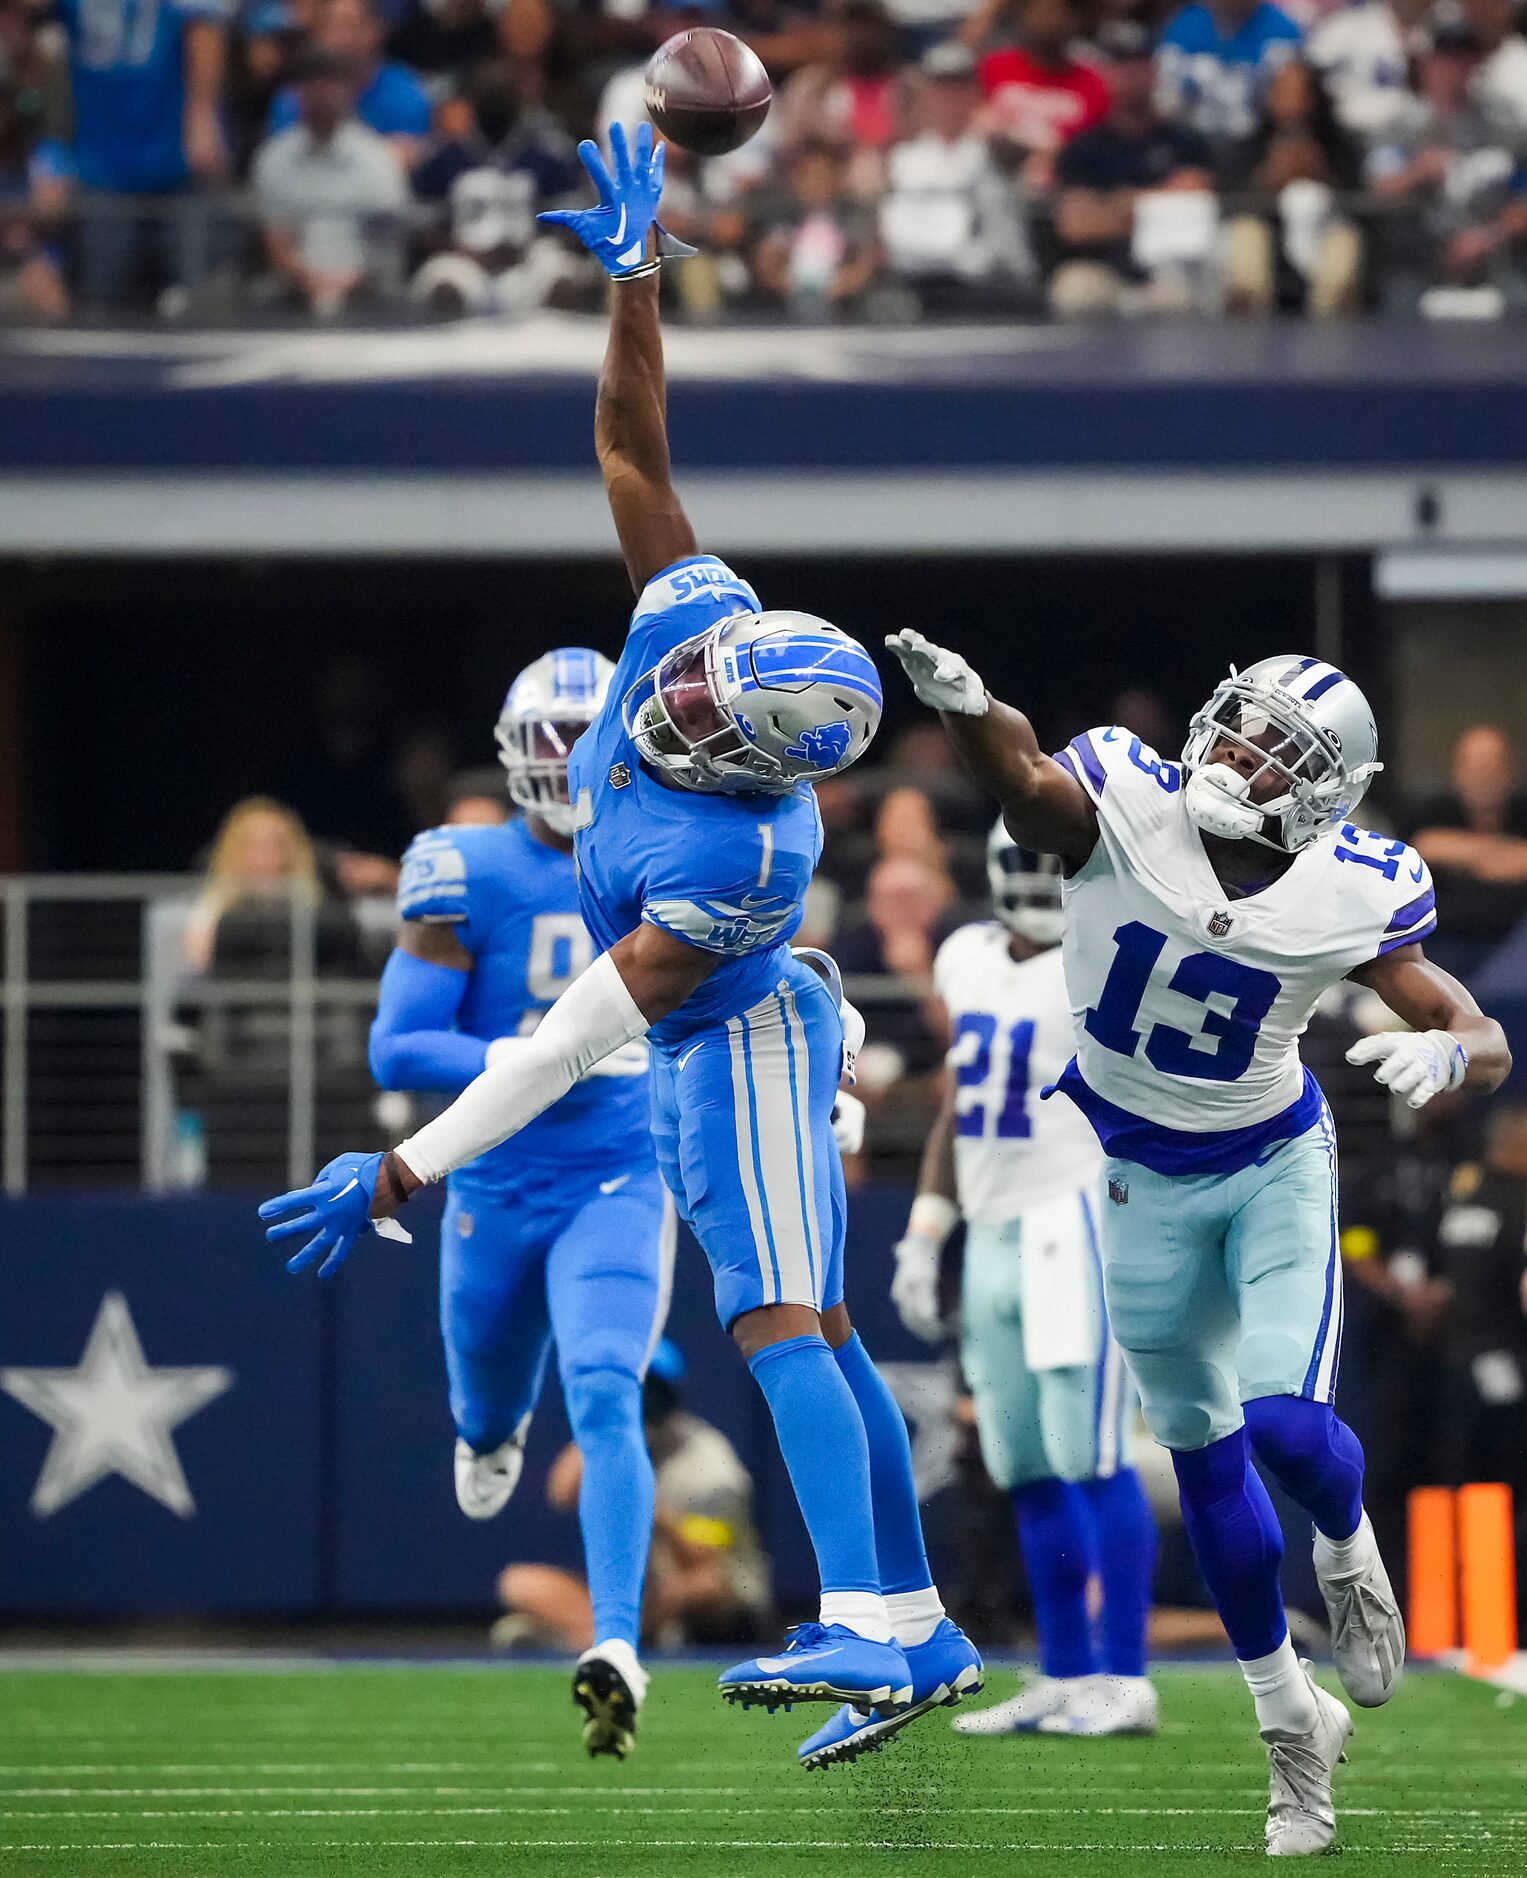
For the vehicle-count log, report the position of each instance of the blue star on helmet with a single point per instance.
(823, 746)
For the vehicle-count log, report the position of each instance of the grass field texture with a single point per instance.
(428, 1771)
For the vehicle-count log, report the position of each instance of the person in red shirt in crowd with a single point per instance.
(1040, 95)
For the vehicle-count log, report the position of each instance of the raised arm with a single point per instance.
(630, 419)
(1043, 804)
(1451, 1043)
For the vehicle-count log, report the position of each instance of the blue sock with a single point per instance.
(1236, 1540)
(821, 1437)
(899, 1549)
(1313, 1455)
(1059, 1546)
(1126, 1539)
(604, 1406)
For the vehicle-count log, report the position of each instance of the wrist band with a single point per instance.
(642, 271)
(933, 1216)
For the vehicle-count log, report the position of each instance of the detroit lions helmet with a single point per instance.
(758, 702)
(548, 708)
(1303, 723)
(1025, 888)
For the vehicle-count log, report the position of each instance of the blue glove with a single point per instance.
(615, 230)
(340, 1201)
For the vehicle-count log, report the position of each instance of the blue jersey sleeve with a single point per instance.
(683, 600)
(439, 885)
(736, 912)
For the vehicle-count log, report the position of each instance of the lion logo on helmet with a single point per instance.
(823, 746)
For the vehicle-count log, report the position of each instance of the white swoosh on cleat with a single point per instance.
(613, 1186)
(781, 1665)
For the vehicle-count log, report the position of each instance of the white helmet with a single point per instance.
(757, 702)
(548, 708)
(1301, 721)
(1025, 888)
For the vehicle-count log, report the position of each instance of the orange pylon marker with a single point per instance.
(1489, 1575)
(1433, 1618)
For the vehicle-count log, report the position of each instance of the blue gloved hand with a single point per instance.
(340, 1202)
(615, 230)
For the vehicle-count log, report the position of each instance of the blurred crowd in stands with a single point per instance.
(259, 159)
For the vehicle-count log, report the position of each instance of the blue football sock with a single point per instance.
(821, 1437)
(1236, 1540)
(1126, 1540)
(604, 1406)
(1313, 1455)
(899, 1549)
(1059, 1548)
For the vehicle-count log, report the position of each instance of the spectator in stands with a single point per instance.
(447, 40)
(707, 1575)
(1041, 93)
(907, 828)
(1473, 836)
(494, 263)
(1362, 52)
(1499, 86)
(148, 85)
(1216, 60)
(856, 101)
(330, 195)
(949, 221)
(1101, 175)
(477, 799)
(819, 251)
(908, 904)
(1306, 256)
(389, 98)
(34, 62)
(36, 174)
(501, 131)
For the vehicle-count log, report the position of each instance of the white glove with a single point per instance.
(914, 1289)
(1414, 1064)
(848, 1123)
(941, 679)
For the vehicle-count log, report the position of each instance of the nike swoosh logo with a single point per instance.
(1417, 871)
(678, 1067)
(613, 1186)
(351, 1182)
(778, 1665)
(620, 232)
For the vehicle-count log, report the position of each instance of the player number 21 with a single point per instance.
(1003, 1111)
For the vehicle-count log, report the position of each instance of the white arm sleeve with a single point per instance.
(595, 1015)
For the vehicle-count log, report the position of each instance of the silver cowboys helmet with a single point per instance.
(548, 708)
(1025, 888)
(1297, 720)
(757, 702)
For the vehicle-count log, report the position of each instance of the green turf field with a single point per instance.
(383, 1771)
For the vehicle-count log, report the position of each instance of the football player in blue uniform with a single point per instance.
(543, 1239)
(697, 832)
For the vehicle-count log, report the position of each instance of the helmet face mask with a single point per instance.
(757, 703)
(548, 708)
(1025, 889)
(1310, 740)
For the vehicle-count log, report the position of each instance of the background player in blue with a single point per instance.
(697, 835)
(564, 1233)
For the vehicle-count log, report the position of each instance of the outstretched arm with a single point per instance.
(1450, 1043)
(630, 419)
(1043, 804)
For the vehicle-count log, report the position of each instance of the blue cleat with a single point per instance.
(823, 1663)
(944, 1669)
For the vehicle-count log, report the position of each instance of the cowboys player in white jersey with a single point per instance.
(1209, 905)
(1053, 1406)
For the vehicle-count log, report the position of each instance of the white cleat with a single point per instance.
(484, 1482)
(1107, 1705)
(610, 1685)
(1301, 1818)
(1367, 1630)
(1023, 1713)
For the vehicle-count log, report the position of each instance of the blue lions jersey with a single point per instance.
(727, 873)
(513, 902)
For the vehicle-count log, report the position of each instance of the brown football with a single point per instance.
(706, 91)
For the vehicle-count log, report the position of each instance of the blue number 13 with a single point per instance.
(1199, 976)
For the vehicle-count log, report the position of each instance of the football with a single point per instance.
(706, 91)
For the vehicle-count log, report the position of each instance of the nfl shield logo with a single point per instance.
(620, 776)
(1118, 1192)
(1219, 925)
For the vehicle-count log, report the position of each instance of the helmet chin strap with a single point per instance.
(1217, 802)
